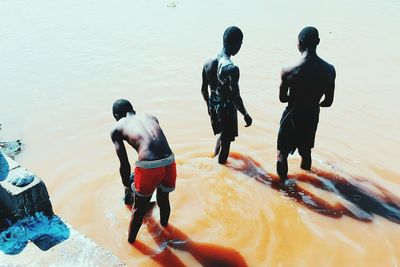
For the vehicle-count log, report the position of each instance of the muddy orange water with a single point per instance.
(63, 63)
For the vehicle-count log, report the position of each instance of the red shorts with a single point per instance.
(147, 180)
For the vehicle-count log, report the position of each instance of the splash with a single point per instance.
(365, 202)
(45, 232)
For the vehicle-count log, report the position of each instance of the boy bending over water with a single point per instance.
(155, 168)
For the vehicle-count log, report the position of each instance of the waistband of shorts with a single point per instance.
(303, 108)
(151, 164)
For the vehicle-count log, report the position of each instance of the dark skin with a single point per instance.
(145, 135)
(303, 84)
(209, 79)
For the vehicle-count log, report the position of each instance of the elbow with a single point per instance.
(325, 104)
(205, 95)
(237, 100)
(283, 99)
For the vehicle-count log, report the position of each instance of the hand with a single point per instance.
(248, 120)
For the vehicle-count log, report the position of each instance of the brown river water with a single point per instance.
(63, 63)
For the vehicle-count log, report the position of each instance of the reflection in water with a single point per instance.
(365, 202)
(207, 255)
(45, 232)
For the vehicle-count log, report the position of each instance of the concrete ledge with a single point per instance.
(6, 164)
(30, 234)
(27, 197)
(77, 250)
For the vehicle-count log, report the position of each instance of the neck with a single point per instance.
(132, 113)
(225, 52)
(311, 51)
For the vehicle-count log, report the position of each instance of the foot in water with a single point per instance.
(288, 183)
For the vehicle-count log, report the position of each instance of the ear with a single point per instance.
(318, 41)
(300, 45)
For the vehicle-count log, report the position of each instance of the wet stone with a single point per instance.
(24, 180)
(11, 148)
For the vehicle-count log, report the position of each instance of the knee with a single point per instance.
(162, 200)
(140, 210)
(281, 156)
(305, 152)
(139, 215)
(163, 204)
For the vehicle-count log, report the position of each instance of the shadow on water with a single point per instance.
(208, 255)
(363, 201)
(45, 232)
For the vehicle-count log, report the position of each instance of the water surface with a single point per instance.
(63, 63)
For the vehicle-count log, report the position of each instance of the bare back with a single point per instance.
(145, 135)
(307, 81)
(210, 73)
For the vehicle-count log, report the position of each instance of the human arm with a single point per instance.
(284, 87)
(237, 99)
(204, 86)
(329, 94)
(125, 167)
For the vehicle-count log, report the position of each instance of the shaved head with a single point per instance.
(233, 35)
(121, 107)
(309, 37)
(233, 38)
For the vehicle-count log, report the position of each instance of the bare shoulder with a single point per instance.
(209, 64)
(287, 71)
(231, 70)
(148, 116)
(115, 132)
(329, 68)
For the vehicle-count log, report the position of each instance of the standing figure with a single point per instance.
(302, 87)
(222, 76)
(155, 168)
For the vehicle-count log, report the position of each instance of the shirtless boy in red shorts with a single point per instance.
(155, 168)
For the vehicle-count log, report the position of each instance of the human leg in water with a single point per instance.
(306, 160)
(217, 146)
(282, 165)
(139, 210)
(223, 155)
(165, 208)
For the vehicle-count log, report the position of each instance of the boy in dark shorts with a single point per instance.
(224, 101)
(302, 87)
